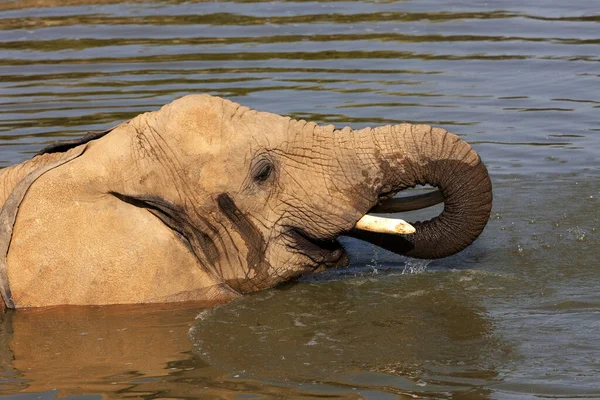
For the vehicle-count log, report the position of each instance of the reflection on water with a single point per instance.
(514, 316)
(391, 334)
(94, 350)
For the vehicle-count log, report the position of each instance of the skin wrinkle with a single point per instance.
(173, 167)
(482, 195)
(468, 183)
(250, 234)
(410, 171)
(455, 142)
(467, 151)
(347, 142)
(280, 223)
(210, 255)
(296, 213)
(334, 186)
(176, 219)
(430, 149)
(174, 164)
(217, 234)
(338, 157)
(189, 192)
(222, 232)
(423, 145)
(235, 248)
(207, 245)
(149, 134)
(219, 266)
(293, 178)
(271, 216)
(437, 149)
(382, 163)
(307, 215)
(322, 141)
(417, 152)
(241, 120)
(443, 146)
(321, 224)
(157, 151)
(300, 165)
(293, 246)
(185, 191)
(358, 149)
(144, 148)
(263, 224)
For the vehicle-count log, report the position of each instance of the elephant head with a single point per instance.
(259, 198)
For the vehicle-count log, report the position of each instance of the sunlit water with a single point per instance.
(515, 316)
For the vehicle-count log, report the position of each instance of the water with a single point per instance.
(515, 316)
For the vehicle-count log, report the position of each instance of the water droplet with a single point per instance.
(375, 260)
(414, 266)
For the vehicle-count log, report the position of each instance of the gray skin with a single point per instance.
(256, 198)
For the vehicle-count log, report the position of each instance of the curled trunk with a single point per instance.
(411, 155)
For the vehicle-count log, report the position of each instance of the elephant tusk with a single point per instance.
(409, 203)
(384, 225)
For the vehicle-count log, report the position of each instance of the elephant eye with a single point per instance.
(264, 169)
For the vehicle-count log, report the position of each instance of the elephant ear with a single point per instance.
(64, 145)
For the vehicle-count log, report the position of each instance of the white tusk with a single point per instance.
(384, 225)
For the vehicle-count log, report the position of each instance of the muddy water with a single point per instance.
(515, 316)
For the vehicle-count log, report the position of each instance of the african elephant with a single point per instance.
(205, 200)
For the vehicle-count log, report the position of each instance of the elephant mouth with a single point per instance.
(322, 253)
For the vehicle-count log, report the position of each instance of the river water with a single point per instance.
(515, 316)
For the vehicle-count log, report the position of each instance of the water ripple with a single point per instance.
(518, 80)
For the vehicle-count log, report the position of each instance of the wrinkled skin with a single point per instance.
(206, 199)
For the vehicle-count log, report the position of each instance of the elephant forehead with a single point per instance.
(217, 121)
(193, 115)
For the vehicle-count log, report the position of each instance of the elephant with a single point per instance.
(205, 200)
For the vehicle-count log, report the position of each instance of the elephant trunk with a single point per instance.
(404, 156)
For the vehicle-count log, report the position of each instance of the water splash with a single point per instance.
(375, 260)
(414, 266)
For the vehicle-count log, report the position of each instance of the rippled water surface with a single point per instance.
(515, 316)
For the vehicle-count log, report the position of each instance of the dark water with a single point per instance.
(515, 316)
